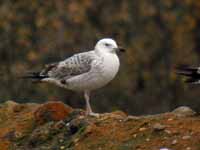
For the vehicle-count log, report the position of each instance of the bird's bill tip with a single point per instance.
(120, 49)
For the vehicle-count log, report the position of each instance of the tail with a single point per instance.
(192, 74)
(34, 76)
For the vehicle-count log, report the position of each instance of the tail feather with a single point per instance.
(192, 73)
(35, 76)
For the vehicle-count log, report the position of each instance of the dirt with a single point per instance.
(56, 126)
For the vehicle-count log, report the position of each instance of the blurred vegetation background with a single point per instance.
(158, 36)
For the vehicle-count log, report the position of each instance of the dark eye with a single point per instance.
(107, 45)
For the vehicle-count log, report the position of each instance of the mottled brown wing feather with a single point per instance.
(75, 65)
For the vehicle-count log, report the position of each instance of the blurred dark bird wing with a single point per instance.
(192, 73)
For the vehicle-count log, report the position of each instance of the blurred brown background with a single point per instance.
(158, 36)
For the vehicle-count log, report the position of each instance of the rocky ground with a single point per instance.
(55, 126)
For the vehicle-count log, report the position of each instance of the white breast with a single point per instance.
(103, 72)
(104, 69)
(110, 66)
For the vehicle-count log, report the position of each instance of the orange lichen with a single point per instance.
(27, 124)
(51, 111)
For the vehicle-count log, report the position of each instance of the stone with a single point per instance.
(186, 137)
(51, 111)
(174, 142)
(158, 127)
(142, 129)
(184, 111)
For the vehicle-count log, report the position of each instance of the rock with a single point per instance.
(60, 124)
(78, 124)
(168, 132)
(25, 127)
(119, 114)
(142, 129)
(184, 111)
(10, 103)
(186, 137)
(170, 119)
(147, 139)
(10, 106)
(158, 127)
(18, 108)
(15, 120)
(77, 113)
(51, 111)
(129, 118)
(174, 142)
(62, 147)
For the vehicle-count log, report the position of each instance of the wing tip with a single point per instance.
(35, 76)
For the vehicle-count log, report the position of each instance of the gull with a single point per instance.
(192, 74)
(85, 72)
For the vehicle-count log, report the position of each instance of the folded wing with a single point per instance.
(72, 66)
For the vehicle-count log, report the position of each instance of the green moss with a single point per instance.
(81, 131)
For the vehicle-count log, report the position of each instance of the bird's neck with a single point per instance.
(103, 53)
(98, 52)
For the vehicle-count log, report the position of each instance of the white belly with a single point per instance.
(101, 73)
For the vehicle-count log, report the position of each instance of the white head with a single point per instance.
(107, 45)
